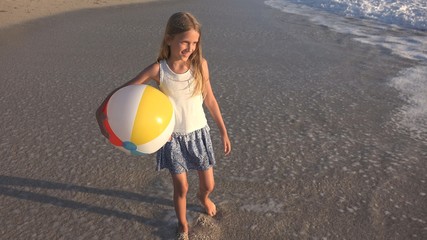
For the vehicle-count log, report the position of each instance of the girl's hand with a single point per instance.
(227, 144)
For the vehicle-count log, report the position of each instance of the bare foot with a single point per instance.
(183, 228)
(210, 207)
(182, 236)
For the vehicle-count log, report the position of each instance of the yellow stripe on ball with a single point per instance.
(153, 116)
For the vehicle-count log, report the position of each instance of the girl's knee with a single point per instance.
(208, 187)
(181, 189)
(180, 184)
(184, 188)
(206, 181)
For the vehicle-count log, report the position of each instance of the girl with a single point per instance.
(182, 74)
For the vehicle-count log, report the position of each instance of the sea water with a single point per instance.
(404, 13)
(399, 26)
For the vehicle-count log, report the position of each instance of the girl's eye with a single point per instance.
(189, 44)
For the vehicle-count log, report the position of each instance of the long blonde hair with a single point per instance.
(178, 23)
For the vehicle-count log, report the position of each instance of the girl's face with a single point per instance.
(183, 45)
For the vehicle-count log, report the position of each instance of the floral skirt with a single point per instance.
(187, 151)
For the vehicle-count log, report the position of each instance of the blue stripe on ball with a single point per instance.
(129, 146)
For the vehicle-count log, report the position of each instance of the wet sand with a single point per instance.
(316, 152)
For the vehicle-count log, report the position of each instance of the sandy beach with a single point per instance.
(18, 11)
(316, 150)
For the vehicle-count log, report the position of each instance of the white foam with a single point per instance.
(404, 13)
(406, 43)
(412, 83)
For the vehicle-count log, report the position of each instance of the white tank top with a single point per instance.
(189, 113)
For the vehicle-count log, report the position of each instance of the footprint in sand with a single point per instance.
(205, 227)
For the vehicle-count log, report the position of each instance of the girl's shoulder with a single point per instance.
(205, 68)
(204, 61)
(150, 72)
(155, 67)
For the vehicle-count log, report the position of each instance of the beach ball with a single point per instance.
(140, 119)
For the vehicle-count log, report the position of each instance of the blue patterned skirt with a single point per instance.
(187, 151)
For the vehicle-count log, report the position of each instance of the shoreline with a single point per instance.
(14, 12)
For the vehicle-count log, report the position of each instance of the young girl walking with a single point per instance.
(182, 74)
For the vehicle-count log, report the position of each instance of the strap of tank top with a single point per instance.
(161, 70)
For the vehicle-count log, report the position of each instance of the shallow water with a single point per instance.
(370, 22)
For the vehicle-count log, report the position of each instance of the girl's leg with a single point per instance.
(180, 189)
(206, 186)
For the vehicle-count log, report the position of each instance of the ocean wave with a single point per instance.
(404, 13)
(403, 42)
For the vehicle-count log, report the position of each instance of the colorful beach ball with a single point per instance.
(140, 119)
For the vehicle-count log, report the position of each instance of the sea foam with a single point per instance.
(412, 83)
(404, 13)
(407, 43)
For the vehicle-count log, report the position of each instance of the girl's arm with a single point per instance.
(213, 107)
(151, 72)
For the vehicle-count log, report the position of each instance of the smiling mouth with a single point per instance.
(187, 54)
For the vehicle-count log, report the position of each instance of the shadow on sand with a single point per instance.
(7, 184)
